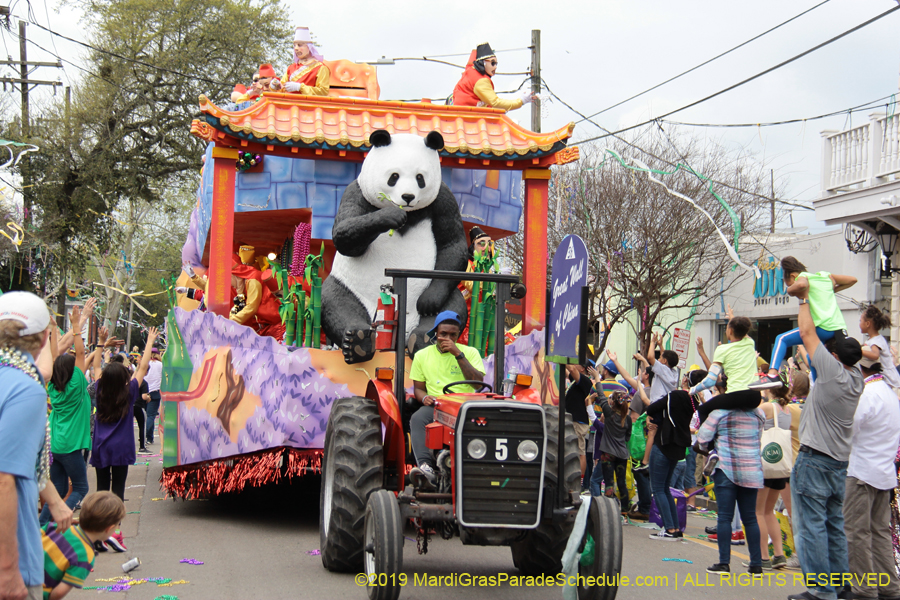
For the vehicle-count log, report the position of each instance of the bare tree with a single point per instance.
(655, 259)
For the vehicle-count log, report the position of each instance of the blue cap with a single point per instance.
(591, 363)
(611, 367)
(448, 316)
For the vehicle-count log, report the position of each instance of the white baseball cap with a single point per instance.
(26, 308)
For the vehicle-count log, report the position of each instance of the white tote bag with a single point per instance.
(776, 451)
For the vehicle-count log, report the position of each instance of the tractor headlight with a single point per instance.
(528, 450)
(477, 448)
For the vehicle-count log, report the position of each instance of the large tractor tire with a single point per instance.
(384, 546)
(604, 526)
(353, 468)
(542, 548)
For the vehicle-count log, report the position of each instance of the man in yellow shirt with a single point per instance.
(434, 367)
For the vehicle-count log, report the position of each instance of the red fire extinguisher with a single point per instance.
(385, 322)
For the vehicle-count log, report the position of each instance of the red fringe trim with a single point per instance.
(231, 475)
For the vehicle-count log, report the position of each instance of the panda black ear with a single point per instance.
(379, 138)
(435, 141)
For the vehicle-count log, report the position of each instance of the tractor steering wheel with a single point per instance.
(482, 385)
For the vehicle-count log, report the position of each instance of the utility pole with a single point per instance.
(536, 79)
(25, 87)
(772, 202)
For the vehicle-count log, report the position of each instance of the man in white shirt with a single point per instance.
(870, 479)
(154, 382)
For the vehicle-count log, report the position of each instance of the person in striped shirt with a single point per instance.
(69, 556)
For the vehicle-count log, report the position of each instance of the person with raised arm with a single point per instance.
(818, 479)
(117, 391)
(476, 87)
(70, 418)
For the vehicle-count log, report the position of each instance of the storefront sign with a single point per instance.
(771, 284)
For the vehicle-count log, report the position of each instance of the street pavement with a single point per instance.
(263, 542)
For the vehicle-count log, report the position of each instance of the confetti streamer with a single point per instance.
(191, 561)
(684, 560)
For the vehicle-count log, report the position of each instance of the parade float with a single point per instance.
(250, 377)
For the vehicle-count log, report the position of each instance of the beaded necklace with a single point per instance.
(874, 378)
(10, 357)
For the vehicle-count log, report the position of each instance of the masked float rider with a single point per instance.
(481, 260)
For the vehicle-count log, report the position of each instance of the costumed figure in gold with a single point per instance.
(307, 74)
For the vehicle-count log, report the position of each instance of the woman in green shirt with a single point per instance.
(822, 305)
(70, 418)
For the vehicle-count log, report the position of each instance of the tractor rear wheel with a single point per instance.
(542, 548)
(353, 468)
(383, 546)
(604, 526)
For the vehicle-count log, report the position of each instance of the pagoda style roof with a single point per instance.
(343, 125)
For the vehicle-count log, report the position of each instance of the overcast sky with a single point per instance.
(596, 53)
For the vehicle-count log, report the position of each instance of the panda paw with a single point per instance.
(393, 217)
(358, 345)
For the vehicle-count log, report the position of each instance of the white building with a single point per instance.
(861, 187)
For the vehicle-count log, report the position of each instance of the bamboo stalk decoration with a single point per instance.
(314, 307)
(300, 312)
(476, 296)
(489, 316)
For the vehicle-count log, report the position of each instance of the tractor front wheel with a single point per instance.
(383, 546)
(601, 548)
(541, 550)
(353, 468)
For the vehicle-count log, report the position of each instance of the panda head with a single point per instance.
(402, 169)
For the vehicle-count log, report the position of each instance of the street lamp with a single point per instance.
(887, 239)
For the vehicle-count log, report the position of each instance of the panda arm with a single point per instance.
(358, 223)
(450, 242)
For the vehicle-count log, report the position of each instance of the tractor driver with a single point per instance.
(433, 367)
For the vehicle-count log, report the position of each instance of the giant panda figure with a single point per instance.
(397, 214)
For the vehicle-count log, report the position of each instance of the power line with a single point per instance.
(865, 105)
(663, 160)
(132, 60)
(754, 77)
(706, 62)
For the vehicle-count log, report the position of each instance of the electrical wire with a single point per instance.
(752, 78)
(663, 160)
(707, 61)
(864, 106)
(53, 41)
(193, 76)
(466, 54)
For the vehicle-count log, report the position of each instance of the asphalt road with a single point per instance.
(262, 544)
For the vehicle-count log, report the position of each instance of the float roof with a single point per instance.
(338, 129)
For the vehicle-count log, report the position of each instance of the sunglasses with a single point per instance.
(255, 79)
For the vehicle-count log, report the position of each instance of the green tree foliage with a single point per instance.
(124, 142)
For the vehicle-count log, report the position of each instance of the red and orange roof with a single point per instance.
(344, 124)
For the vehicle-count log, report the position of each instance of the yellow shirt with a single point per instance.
(485, 92)
(437, 369)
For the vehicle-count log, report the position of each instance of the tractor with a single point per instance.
(507, 472)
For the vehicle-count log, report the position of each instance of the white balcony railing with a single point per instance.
(863, 156)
